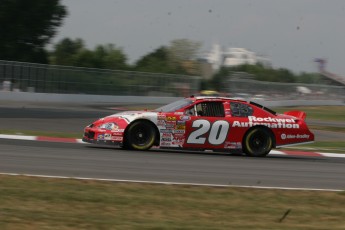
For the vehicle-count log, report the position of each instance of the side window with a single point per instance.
(190, 111)
(240, 109)
(210, 109)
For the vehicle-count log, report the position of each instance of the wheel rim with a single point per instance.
(141, 135)
(258, 142)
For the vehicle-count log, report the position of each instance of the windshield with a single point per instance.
(263, 107)
(175, 105)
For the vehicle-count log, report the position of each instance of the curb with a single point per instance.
(79, 141)
(41, 138)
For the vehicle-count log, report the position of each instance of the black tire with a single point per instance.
(140, 136)
(258, 142)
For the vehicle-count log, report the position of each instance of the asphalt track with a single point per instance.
(88, 161)
(79, 160)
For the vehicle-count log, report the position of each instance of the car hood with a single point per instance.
(130, 116)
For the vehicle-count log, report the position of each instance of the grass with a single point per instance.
(327, 128)
(323, 113)
(321, 146)
(46, 203)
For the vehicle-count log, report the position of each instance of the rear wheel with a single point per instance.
(258, 142)
(140, 136)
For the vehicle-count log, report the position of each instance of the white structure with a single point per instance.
(215, 57)
(238, 56)
(233, 57)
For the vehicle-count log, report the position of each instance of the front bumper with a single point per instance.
(102, 137)
(102, 142)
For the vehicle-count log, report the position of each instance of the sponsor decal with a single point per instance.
(177, 142)
(170, 126)
(116, 138)
(274, 123)
(232, 145)
(293, 136)
(163, 143)
(178, 135)
(161, 123)
(166, 134)
(166, 131)
(181, 122)
(185, 118)
(161, 117)
(119, 130)
(178, 113)
(107, 136)
(166, 139)
(181, 127)
(100, 137)
(116, 134)
(171, 118)
(179, 131)
(270, 119)
(269, 125)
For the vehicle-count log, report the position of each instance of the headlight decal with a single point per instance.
(109, 126)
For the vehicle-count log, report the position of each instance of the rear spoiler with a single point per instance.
(296, 113)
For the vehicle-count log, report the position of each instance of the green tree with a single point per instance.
(310, 78)
(74, 53)
(109, 57)
(65, 51)
(177, 58)
(26, 27)
(217, 81)
(262, 73)
(182, 54)
(156, 61)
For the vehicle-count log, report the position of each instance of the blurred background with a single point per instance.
(52, 47)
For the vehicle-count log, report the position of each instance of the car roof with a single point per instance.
(216, 97)
(212, 98)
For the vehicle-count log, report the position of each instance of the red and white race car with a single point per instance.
(203, 123)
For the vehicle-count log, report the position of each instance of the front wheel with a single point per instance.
(258, 142)
(140, 136)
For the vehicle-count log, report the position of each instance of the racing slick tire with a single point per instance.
(257, 142)
(140, 136)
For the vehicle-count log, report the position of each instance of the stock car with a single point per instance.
(203, 123)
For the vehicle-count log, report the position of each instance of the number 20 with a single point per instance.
(219, 131)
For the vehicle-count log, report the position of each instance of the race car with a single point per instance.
(203, 123)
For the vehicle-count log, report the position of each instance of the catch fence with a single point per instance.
(252, 89)
(40, 78)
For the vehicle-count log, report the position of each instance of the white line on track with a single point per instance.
(18, 137)
(172, 183)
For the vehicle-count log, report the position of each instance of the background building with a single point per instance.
(218, 57)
